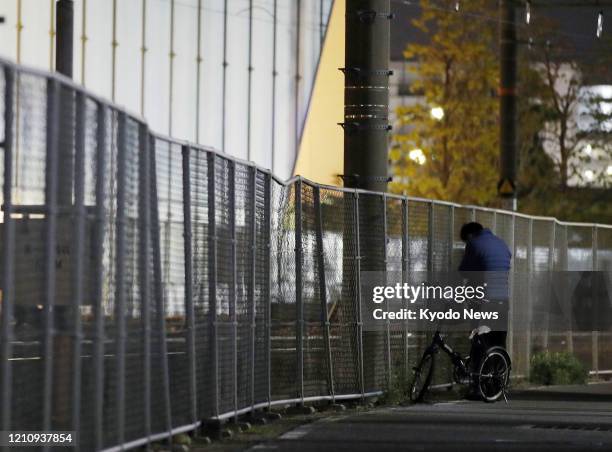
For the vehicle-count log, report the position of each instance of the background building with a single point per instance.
(236, 75)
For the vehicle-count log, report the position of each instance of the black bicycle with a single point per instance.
(491, 378)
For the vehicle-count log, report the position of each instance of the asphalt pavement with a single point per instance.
(576, 418)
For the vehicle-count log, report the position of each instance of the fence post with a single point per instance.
(494, 225)
(97, 272)
(51, 174)
(120, 278)
(387, 322)
(595, 334)
(269, 204)
(189, 310)
(159, 289)
(565, 266)
(512, 279)
(79, 247)
(8, 253)
(451, 238)
(405, 267)
(594, 242)
(358, 294)
(144, 213)
(212, 278)
(253, 270)
(551, 264)
(233, 298)
(323, 290)
(430, 238)
(529, 299)
(299, 325)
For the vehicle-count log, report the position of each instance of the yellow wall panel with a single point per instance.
(321, 153)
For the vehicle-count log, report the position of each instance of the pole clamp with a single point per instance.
(358, 178)
(368, 16)
(354, 125)
(363, 72)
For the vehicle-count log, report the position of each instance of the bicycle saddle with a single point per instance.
(483, 329)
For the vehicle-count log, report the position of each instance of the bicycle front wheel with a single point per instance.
(423, 374)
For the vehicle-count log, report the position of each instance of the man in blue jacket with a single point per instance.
(488, 255)
(484, 251)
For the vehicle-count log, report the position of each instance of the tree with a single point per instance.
(561, 97)
(537, 177)
(453, 156)
(558, 109)
(576, 133)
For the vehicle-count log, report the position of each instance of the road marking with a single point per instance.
(297, 433)
(451, 402)
(303, 430)
(263, 447)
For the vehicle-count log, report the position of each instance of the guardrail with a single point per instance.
(149, 284)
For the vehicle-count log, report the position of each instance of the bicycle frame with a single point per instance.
(439, 343)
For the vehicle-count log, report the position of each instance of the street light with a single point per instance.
(599, 24)
(417, 156)
(609, 170)
(437, 113)
(528, 12)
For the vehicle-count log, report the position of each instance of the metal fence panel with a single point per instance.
(372, 245)
(170, 201)
(261, 284)
(161, 403)
(28, 130)
(199, 174)
(285, 371)
(194, 286)
(338, 237)
(244, 241)
(521, 313)
(7, 88)
(395, 222)
(314, 342)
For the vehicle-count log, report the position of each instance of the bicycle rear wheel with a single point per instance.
(493, 374)
(423, 374)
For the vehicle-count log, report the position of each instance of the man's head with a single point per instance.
(469, 230)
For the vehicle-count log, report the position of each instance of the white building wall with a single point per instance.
(109, 60)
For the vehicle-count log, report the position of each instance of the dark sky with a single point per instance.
(577, 24)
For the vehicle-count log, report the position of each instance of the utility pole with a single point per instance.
(366, 94)
(507, 104)
(366, 129)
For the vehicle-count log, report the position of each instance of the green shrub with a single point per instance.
(396, 389)
(558, 368)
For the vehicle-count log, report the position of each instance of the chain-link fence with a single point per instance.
(148, 284)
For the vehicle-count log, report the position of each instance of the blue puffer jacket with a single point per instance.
(485, 252)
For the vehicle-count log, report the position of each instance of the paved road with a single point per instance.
(567, 418)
